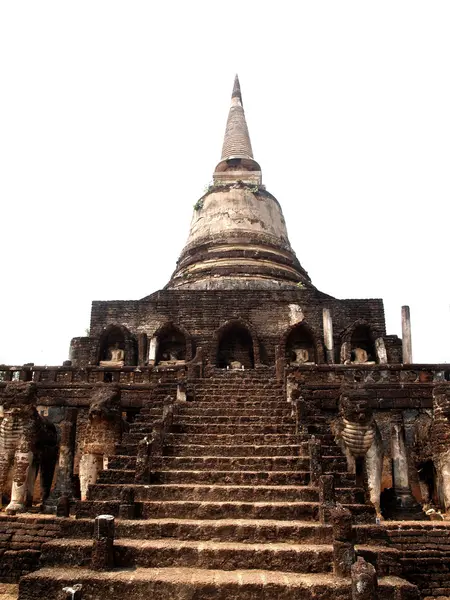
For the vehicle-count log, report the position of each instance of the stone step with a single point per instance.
(233, 400)
(126, 477)
(248, 462)
(222, 493)
(281, 511)
(249, 428)
(216, 421)
(200, 584)
(205, 428)
(266, 419)
(234, 477)
(196, 409)
(265, 390)
(246, 477)
(241, 450)
(165, 553)
(232, 439)
(238, 463)
(235, 380)
(226, 530)
(225, 402)
(197, 462)
(255, 394)
(129, 448)
(180, 509)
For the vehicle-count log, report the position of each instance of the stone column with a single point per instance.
(346, 352)
(406, 506)
(343, 545)
(90, 466)
(380, 349)
(327, 497)
(399, 459)
(142, 349)
(181, 392)
(127, 505)
(153, 349)
(63, 507)
(315, 460)
(328, 335)
(103, 547)
(143, 460)
(63, 485)
(406, 336)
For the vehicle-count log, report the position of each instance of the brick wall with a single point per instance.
(203, 312)
(424, 552)
(21, 540)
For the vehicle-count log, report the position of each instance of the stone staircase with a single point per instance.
(230, 514)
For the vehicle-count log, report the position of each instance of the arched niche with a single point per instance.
(117, 336)
(300, 345)
(173, 344)
(358, 344)
(236, 342)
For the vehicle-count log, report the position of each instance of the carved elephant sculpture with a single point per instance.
(440, 441)
(103, 431)
(357, 434)
(28, 444)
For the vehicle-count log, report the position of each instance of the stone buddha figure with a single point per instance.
(360, 357)
(235, 365)
(117, 357)
(301, 356)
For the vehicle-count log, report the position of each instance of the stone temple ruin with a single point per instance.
(237, 434)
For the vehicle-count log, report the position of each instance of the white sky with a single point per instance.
(112, 116)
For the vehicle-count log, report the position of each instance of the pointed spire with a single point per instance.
(237, 90)
(236, 143)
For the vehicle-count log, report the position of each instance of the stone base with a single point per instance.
(112, 363)
(402, 507)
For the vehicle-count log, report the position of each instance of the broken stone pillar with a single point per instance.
(364, 580)
(181, 392)
(328, 335)
(406, 336)
(142, 349)
(399, 458)
(103, 547)
(315, 459)
(406, 506)
(346, 352)
(380, 349)
(299, 411)
(327, 497)
(343, 545)
(127, 505)
(63, 507)
(72, 592)
(63, 484)
(153, 349)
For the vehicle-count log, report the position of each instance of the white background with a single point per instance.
(112, 117)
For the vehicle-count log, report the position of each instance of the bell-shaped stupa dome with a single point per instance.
(238, 237)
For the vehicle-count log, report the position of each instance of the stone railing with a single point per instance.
(388, 374)
(67, 375)
(309, 374)
(150, 448)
